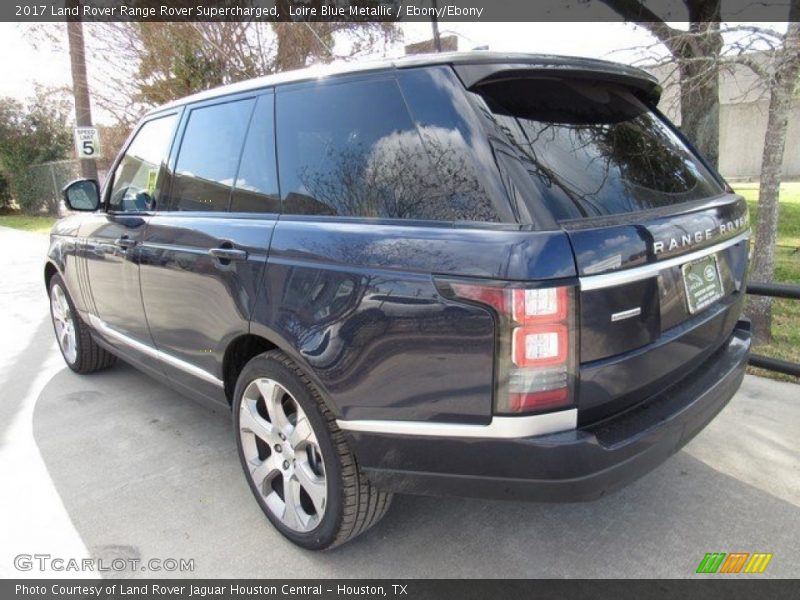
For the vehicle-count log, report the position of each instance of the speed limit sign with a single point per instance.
(87, 142)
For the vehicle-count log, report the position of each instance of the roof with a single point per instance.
(485, 61)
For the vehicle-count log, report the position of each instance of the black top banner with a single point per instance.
(387, 10)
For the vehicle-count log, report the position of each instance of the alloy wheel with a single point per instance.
(64, 323)
(282, 454)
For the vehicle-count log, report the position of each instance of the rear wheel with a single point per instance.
(296, 459)
(74, 337)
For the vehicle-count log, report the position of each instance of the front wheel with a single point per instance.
(80, 351)
(296, 459)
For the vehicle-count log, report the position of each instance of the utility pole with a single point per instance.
(80, 88)
(437, 41)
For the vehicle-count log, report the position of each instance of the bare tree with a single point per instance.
(299, 44)
(139, 65)
(696, 53)
(782, 78)
(153, 63)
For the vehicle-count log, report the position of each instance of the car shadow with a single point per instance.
(21, 370)
(146, 473)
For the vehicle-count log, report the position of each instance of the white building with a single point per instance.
(744, 104)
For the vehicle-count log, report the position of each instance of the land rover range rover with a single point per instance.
(477, 274)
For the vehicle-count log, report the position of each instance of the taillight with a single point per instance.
(536, 344)
(539, 346)
(540, 305)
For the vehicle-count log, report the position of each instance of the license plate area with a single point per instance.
(702, 283)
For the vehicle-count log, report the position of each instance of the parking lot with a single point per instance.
(115, 465)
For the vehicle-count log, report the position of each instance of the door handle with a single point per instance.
(124, 242)
(227, 254)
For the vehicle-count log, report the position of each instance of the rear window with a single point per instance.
(592, 149)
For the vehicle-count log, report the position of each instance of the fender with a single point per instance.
(64, 257)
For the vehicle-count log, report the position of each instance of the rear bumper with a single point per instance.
(575, 465)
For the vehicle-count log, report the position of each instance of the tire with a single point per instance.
(297, 454)
(73, 336)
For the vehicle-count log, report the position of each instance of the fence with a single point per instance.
(775, 290)
(40, 188)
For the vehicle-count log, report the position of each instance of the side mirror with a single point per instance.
(82, 195)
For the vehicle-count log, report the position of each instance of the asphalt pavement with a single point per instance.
(116, 466)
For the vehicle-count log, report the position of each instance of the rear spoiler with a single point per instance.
(474, 75)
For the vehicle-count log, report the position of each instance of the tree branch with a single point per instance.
(638, 13)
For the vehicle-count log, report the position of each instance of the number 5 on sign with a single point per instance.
(87, 142)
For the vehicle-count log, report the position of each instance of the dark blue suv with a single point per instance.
(477, 274)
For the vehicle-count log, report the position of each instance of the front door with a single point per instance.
(111, 239)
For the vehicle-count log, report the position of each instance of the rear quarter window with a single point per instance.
(352, 149)
(592, 149)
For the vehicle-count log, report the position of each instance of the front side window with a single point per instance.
(351, 149)
(593, 149)
(209, 156)
(140, 172)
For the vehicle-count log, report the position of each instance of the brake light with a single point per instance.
(536, 344)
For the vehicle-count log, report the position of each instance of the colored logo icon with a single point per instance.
(735, 562)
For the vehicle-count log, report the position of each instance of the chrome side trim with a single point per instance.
(499, 428)
(594, 282)
(184, 366)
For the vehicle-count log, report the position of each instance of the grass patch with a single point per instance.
(785, 313)
(788, 212)
(35, 224)
(785, 338)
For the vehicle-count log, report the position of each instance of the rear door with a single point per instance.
(377, 198)
(204, 251)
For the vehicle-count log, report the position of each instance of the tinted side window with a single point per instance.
(351, 149)
(456, 144)
(209, 156)
(256, 188)
(139, 174)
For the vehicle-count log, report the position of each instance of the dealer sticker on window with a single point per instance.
(702, 283)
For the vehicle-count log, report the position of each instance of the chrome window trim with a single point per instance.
(604, 280)
(106, 330)
(498, 428)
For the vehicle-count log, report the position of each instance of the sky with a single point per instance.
(595, 40)
(23, 66)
